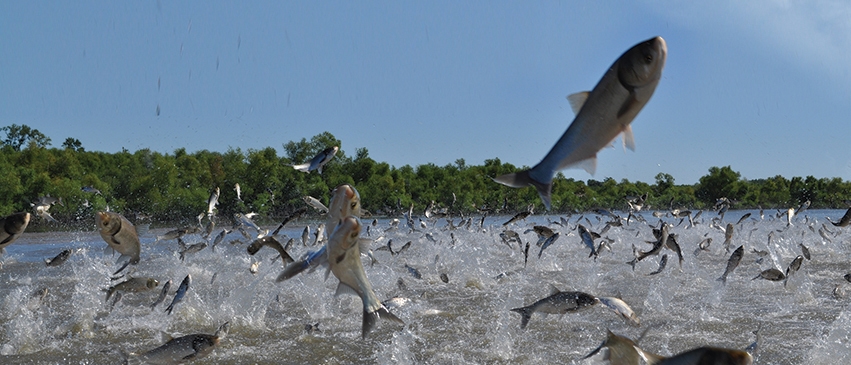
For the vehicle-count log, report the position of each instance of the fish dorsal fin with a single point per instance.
(577, 100)
(554, 289)
(342, 288)
(165, 337)
(628, 138)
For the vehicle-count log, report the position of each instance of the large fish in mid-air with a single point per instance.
(601, 115)
(120, 235)
(318, 161)
(13, 226)
(344, 257)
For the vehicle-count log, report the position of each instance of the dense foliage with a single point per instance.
(176, 186)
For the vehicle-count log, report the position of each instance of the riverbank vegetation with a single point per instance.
(175, 186)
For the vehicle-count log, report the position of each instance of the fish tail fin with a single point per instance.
(722, 279)
(526, 315)
(522, 179)
(371, 318)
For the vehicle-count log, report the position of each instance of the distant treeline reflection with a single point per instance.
(175, 187)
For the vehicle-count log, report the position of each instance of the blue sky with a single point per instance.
(762, 86)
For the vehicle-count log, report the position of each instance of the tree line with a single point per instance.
(175, 186)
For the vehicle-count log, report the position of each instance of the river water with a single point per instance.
(466, 320)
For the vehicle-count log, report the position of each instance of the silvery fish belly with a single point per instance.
(601, 114)
(344, 257)
(119, 234)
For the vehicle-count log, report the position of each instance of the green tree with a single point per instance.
(18, 136)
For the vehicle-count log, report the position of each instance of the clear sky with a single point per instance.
(762, 86)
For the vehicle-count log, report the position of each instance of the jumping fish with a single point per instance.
(588, 239)
(212, 202)
(771, 274)
(793, 267)
(181, 291)
(272, 243)
(315, 203)
(13, 226)
(345, 201)
(163, 293)
(238, 191)
(120, 235)
(844, 221)
(728, 236)
(181, 349)
(561, 302)
(133, 285)
(58, 259)
(344, 257)
(601, 115)
(548, 243)
(732, 263)
(318, 161)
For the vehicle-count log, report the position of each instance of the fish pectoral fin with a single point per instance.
(343, 288)
(589, 165)
(553, 289)
(628, 138)
(577, 100)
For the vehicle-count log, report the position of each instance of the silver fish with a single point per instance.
(305, 235)
(548, 243)
(315, 203)
(844, 221)
(561, 302)
(194, 248)
(13, 226)
(238, 191)
(345, 201)
(272, 243)
(794, 266)
(728, 236)
(588, 238)
(58, 259)
(181, 291)
(344, 257)
(519, 216)
(805, 251)
(120, 235)
(318, 161)
(732, 263)
(163, 293)
(771, 274)
(213, 201)
(601, 115)
(133, 285)
(181, 349)
(220, 237)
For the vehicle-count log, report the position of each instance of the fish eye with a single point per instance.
(648, 58)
